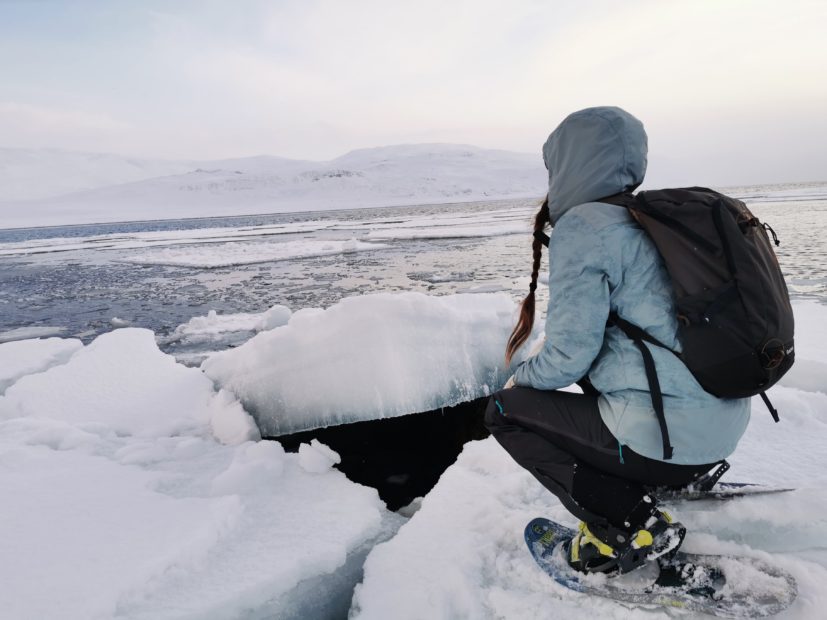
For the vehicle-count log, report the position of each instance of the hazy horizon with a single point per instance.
(650, 180)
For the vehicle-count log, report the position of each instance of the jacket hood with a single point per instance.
(593, 153)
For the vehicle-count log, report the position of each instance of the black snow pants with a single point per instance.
(561, 439)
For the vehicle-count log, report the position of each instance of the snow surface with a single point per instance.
(462, 555)
(809, 373)
(385, 176)
(25, 357)
(369, 357)
(105, 385)
(136, 490)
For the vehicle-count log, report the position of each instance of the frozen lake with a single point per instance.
(74, 280)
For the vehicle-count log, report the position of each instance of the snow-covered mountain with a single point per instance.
(31, 174)
(384, 176)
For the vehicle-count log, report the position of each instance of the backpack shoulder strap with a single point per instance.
(637, 333)
(639, 337)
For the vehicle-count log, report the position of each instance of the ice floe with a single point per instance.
(209, 256)
(35, 331)
(369, 357)
(139, 491)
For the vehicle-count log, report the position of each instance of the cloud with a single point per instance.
(315, 78)
(44, 126)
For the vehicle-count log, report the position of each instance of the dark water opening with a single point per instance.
(401, 457)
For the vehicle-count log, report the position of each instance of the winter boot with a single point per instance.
(607, 549)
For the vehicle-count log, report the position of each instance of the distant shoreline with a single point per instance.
(765, 192)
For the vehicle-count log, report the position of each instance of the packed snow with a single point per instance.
(139, 488)
(462, 555)
(138, 491)
(809, 373)
(394, 175)
(19, 358)
(105, 385)
(369, 357)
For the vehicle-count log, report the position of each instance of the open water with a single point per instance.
(73, 280)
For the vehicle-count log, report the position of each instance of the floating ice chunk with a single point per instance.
(117, 323)
(274, 317)
(156, 238)
(369, 357)
(317, 458)
(209, 256)
(24, 357)
(447, 226)
(484, 288)
(215, 327)
(201, 336)
(24, 333)
(492, 229)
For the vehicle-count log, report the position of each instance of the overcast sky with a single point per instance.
(730, 91)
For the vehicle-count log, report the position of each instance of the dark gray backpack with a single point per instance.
(735, 322)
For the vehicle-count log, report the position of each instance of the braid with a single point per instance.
(526, 321)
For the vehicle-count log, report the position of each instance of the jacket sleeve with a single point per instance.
(578, 307)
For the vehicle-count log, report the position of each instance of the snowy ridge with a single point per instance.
(30, 174)
(139, 491)
(385, 176)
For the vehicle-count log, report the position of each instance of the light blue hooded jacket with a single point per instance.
(602, 261)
